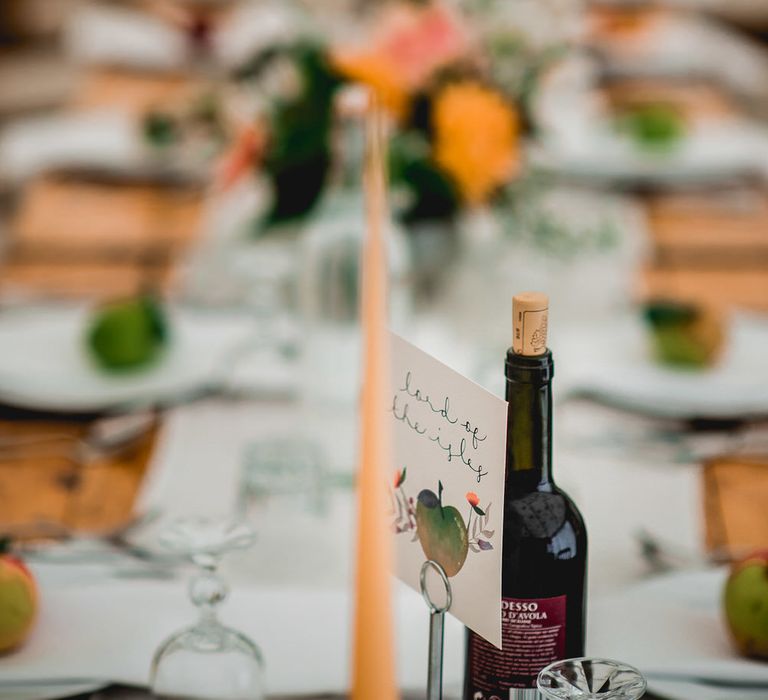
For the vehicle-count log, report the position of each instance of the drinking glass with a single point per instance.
(207, 661)
(591, 679)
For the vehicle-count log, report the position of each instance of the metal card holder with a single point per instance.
(436, 628)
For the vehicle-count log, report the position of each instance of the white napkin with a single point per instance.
(253, 27)
(197, 465)
(689, 44)
(123, 37)
(96, 139)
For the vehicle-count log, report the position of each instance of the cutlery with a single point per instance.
(661, 555)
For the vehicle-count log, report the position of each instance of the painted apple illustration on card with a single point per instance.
(442, 532)
(440, 529)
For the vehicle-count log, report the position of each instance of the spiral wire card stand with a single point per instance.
(436, 628)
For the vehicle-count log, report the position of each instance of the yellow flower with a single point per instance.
(477, 135)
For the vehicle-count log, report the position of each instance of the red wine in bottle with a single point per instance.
(544, 558)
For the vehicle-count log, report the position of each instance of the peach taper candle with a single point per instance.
(373, 672)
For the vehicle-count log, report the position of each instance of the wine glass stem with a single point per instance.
(207, 590)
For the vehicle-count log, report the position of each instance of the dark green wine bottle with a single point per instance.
(544, 558)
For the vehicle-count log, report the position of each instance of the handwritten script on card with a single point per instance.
(447, 489)
(461, 443)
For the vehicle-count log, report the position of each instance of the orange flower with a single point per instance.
(408, 45)
(472, 498)
(477, 138)
(379, 73)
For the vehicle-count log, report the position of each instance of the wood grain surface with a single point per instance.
(736, 503)
(53, 480)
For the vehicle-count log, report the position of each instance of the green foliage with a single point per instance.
(430, 193)
(299, 156)
(524, 215)
(160, 129)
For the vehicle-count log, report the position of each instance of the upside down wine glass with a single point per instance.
(208, 660)
(591, 679)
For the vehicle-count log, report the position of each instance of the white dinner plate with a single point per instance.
(671, 627)
(48, 691)
(45, 365)
(614, 364)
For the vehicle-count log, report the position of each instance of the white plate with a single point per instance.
(672, 627)
(614, 364)
(44, 364)
(711, 155)
(46, 691)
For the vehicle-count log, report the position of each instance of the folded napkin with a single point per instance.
(102, 139)
(122, 37)
(687, 44)
(253, 27)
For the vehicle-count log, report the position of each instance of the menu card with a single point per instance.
(447, 488)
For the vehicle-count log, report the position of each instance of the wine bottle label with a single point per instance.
(533, 636)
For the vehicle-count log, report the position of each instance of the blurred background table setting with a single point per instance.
(181, 229)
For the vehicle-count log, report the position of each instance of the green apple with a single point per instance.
(745, 602)
(653, 127)
(442, 532)
(18, 602)
(127, 334)
(684, 335)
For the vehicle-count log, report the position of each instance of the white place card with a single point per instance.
(447, 489)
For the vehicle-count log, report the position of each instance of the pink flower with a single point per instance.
(473, 499)
(408, 45)
(243, 156)
(420, 40)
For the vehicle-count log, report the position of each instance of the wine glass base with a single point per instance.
(591, 679)
(208, 661)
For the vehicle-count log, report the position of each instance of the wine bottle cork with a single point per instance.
(530, 311)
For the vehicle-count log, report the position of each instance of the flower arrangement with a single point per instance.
(456, 90)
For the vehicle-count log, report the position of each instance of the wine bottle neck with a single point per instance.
(529, 421)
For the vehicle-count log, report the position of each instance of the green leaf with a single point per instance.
(478, 510)
(160, 129)
(299, 155)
